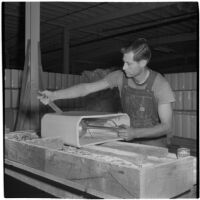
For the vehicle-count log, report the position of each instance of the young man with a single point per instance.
(145, 96)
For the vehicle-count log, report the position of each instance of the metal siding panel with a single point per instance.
(180, 125)
(45, 77)
(15, 98)
(20, 77)
(15, 78)
(187, 100)
(7, 78)
(181, 84)
(194, 100)
(185, 126)
(64, 81)
(7, 98)
(52, 80)
(174, 81)
(194, 80)
(193, 121)
(9, 118)
(179, 100)
(58, 81)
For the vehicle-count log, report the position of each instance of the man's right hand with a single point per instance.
(45, 96)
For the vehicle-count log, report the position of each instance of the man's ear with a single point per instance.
(143, 63)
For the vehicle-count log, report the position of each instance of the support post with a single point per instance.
(33, 33)
(66, 51)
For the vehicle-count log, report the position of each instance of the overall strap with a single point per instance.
(151, 79)
(124, 80)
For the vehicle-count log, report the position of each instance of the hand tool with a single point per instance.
(52, 105)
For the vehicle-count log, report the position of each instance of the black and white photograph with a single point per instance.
(100, 99)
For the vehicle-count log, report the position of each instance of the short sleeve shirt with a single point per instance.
(161, 88)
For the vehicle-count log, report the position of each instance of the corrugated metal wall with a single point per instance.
(183, 85)
(52, 81)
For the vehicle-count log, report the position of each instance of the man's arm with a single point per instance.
(165, 126)
(75, 91)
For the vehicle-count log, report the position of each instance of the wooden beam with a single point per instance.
(33, 33)
(146, 26)
(138, 8)
(42, 21)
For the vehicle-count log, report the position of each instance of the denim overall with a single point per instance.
(142, 108)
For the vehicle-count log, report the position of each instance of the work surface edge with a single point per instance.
(52, 178)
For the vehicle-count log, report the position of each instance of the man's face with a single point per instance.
(131, 68)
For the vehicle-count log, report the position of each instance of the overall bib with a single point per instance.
(142, 108)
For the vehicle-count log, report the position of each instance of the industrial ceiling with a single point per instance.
(98, 30)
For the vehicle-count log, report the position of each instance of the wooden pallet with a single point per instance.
(116, 169)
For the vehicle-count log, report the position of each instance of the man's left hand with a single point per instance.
(126, 132)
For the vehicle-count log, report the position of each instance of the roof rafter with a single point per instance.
(103, 47)
(139, 7)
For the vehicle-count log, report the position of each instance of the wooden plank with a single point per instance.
(140, 160)
(138, 148)
(171, 179)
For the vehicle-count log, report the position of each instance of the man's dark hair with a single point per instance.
(140, 48)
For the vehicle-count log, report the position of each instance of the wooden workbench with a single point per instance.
(44, 164)
(57, 187)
